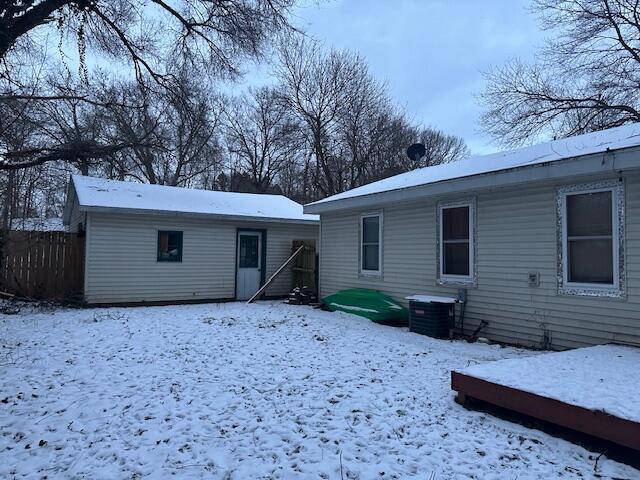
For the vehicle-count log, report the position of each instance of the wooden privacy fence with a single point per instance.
(305, 268)
(42, 265)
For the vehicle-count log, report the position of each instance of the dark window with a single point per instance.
(169, 246)
(371, 243)
(455, 241)
(590, 238)
(248, 251)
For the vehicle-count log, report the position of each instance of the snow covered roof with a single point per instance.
(38, 224)
(100, 194)
(591, 143)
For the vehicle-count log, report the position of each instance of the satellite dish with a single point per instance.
(416, 151)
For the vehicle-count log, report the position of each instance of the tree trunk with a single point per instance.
(8, 201)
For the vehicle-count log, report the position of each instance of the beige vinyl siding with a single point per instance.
(516, 234)
(121, 265)
(76, 217)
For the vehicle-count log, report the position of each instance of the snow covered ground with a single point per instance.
(232, 391)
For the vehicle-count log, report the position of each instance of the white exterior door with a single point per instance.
(248, 264)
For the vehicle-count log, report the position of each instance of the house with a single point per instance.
(158, 244)
(544, 239)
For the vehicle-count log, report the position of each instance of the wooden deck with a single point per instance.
(591, 422)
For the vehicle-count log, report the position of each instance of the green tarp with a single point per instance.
(372, 304)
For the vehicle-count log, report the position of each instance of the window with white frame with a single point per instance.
(456, 243)
(591, 242)
(371, 243)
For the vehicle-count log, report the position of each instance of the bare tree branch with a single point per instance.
(587, 77)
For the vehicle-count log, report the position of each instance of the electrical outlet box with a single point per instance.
(534, 279)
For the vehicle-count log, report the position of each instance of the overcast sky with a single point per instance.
(430, 52)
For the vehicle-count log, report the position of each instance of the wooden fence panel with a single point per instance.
(42, 265)
(304, 268)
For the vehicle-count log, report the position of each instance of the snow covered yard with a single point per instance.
(245, 392)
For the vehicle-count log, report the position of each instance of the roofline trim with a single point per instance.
(596, 163)
(215, 216)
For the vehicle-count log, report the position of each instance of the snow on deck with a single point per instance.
(596, 142)
(101, 193)
(230, 391)
(604, 378)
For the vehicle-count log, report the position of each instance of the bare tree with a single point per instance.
(154, 39)
(586, 78)
(174, 135)
(68, 129)
(353, 131)
(207, 32)
(440, 148)
(193, 132)
(389, 156)
(327, 126)
(314, 84)
(362, 125)
(140, 127)
(264, 135)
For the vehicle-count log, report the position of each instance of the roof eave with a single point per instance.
(598, 163)
(214, 216)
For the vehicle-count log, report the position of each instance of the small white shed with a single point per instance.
(158, 244)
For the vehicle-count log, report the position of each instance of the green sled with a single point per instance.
(372, 304)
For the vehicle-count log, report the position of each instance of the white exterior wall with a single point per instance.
(516, 232)
(122, 267)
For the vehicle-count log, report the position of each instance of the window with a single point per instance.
(249, 251)
(169, 246)
(456, 243)
(371, 243)
(590, 239)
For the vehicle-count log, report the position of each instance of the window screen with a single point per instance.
(371, 243)
(590, 238)
(455, 241)
(169, 246)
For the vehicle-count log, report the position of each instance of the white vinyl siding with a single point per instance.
(516, 235)
(122, 266)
